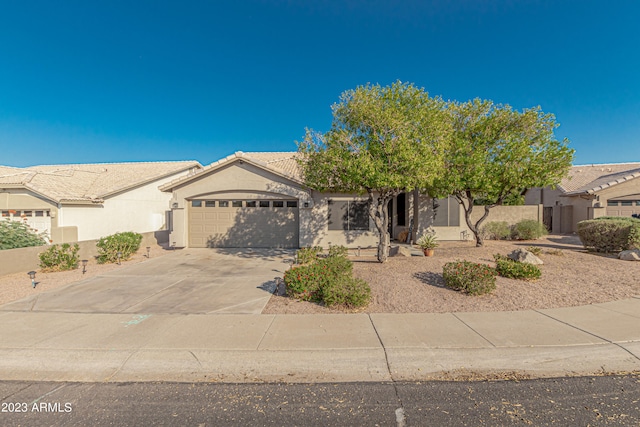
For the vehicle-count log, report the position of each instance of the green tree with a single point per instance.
(16, 234)
(497, 153)
(383, 141)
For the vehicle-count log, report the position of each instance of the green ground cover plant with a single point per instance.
(469, 277)
(528, 229)
(506, 267)
(126, 244)
(60, 257)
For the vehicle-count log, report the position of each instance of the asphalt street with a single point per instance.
(577, 401)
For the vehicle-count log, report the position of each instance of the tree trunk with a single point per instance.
(378, 212)
(468, 208)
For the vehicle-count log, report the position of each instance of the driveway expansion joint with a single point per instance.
(478, 333)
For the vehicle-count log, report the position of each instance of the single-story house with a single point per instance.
(260, 200)
(88, 201)
(589, 192)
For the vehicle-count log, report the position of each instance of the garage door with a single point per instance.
(623, 207)
(243, 223)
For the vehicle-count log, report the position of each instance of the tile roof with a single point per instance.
(282, 163)
(588, 179)
(88, 182)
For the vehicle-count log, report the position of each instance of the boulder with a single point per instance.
(630, 255)
(525, 257)
(399, 251)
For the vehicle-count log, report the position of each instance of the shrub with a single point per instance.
(506, 267)
(126, 243)
(535, 250)
(610, 234)
(469, 277)
(338, 251)
(528, 229)
(60, 257)
(16, 234)
(307, 255)
(496, 230)
(347, 291)
(329, 280)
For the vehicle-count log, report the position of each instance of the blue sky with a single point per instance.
(91, 82)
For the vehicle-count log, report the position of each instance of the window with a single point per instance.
(223, 204)
(294, 204)
(27, 213)
(210, 204)
(39, 213)
(612, 203)
(264, 203)
(5, 213)
(196, 203)
(637, 203)
(348, 215)
(278, 204)
(251, 203)
(236, 203)
(446, 212)
(626, 203)
(401, 208)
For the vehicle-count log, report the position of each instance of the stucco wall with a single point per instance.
(26, 259)
(509, 214)
(142, 210)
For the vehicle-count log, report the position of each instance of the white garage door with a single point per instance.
(243, 223)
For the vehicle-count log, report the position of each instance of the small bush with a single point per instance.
(528, 229)
(126, 243)
(535, 250)
(338, 251)
(506, 267)
(469, 277)
(60, 257)
(610, 234)
(307, 255)
(496, 230)
(304, 282)
(347, 291)
(16, 234)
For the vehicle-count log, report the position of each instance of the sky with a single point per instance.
(118, 81)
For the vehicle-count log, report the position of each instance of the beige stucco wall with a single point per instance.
(509, 214)
(26, 259)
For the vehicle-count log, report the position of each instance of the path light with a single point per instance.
(148, 250)
(32, 275)
(173, 246)
(119, 255)
(84, 265)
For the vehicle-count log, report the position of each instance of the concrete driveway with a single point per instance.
(189, 281)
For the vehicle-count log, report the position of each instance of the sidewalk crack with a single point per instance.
(266, 331)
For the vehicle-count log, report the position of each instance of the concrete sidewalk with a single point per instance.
(59, 346)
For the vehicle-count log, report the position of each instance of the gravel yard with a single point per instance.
(570, 277)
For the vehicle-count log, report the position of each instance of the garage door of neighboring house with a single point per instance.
(39, 220)
(243, 223)
(623, 207)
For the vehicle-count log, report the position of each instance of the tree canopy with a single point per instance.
(383, 141)
(496, 153)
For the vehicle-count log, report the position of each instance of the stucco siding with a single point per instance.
(142, 210)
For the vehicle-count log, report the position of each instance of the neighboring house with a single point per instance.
(260, 200)
(589, 191)
(88, 201)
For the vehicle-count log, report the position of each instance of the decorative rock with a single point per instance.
(630, 255)
(399, 251)
(525, 257)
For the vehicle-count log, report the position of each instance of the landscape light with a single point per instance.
(84, 265)
(119, 255)
(32, 275)
(148, 250)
